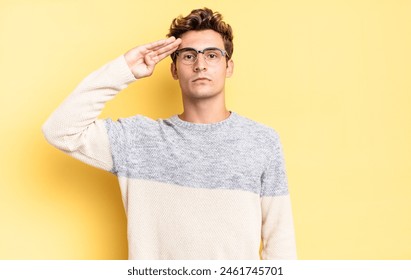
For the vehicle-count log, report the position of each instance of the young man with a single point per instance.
(205, 184)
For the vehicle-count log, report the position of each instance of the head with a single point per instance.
(201, 30)
(203, 19)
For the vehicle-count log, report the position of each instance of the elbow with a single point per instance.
(52, 135)
(47, 132)
(63, 138)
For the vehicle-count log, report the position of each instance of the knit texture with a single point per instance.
(236, 153)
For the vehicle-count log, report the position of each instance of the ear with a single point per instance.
(173, 68)
(230, 68)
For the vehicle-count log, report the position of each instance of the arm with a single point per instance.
(74, 128)
(277, 231)
(277, 228)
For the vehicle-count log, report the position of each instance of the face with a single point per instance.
(201, 80)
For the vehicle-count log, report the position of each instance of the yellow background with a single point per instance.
(332, 77)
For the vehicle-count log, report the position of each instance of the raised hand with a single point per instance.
(142, 59)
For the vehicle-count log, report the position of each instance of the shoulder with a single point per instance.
(256, 130)
(131, 125)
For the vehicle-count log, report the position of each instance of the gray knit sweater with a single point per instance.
(190, 191)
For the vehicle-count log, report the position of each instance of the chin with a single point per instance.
(201, 95)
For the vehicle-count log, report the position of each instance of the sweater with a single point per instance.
(190, 191)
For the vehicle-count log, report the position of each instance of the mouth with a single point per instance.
(201, 79)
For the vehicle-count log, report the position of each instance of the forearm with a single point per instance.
(278, 228)
(74, 125)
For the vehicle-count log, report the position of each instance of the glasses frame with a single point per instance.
(177, 53)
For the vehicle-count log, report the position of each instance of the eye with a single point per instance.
(188, 56)
(212, 55)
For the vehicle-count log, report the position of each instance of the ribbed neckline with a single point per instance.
(203, 126)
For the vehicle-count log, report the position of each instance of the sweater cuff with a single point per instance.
(121, 72)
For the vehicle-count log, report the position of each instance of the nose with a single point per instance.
(200, 64)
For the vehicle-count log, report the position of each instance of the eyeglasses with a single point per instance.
(189, 56)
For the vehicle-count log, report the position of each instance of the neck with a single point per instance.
(204, 111)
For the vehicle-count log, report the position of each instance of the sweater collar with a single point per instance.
(203, 126)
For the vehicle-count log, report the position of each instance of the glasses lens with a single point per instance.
(188, 56)
(213, 55)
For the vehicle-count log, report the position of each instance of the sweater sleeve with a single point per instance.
(278, 238)
(74, 126)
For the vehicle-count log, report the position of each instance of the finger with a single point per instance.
(164, 54)
(150, 60)
(153, 46)
(164, 48)
(154, 57)
(168, 48)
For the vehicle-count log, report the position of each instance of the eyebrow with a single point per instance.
(207, 48)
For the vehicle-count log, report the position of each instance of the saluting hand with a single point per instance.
(142, 59)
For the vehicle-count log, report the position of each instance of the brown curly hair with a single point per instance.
(203, 19)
